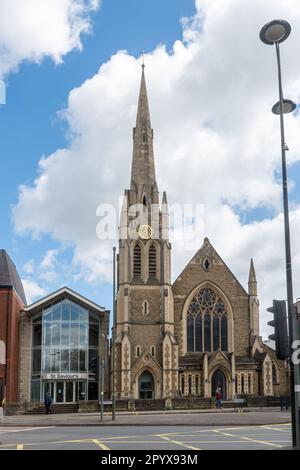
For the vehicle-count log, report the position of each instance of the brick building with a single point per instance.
(12, 301)
(197, 334)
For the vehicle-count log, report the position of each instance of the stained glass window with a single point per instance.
(207, 328)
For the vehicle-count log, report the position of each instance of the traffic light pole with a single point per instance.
(292, 316)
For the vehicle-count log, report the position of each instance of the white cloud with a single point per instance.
(33, 291)
(216, 143)
(33, 29)
(29, 266)
(49, 260)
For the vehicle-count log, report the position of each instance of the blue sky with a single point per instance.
(208, 149)
(29, 124)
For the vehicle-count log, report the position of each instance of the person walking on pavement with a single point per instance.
(48, 403)
(218, 398)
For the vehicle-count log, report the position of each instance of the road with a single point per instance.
(156, 438)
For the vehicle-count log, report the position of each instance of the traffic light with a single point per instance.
(280, 335)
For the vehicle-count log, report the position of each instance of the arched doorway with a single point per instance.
(219, 381)
(146, 385)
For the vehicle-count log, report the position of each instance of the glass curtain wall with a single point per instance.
(65, 341)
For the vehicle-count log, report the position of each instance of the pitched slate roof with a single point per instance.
(9, 276)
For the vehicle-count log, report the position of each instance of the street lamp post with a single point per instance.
(113, 353)
(273, 33)
(101, 370)
(102, 388)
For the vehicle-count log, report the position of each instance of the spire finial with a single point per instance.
(143, 59)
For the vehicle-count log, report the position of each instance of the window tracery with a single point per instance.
(207, 328)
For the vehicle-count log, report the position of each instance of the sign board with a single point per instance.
(59, 376)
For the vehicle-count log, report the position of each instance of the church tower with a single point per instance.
(146, 349)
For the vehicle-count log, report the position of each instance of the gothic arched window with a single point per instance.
(207, 328)
(152, 261)
(236, 384)
(182, 385)
(242, 383)
(137, 261)
(190, 384)
(144, 136)
(197, 385)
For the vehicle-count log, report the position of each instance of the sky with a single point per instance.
(72, 70)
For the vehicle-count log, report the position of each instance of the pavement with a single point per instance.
(150, 438)
(225, 417)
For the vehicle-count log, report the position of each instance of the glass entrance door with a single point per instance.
(59, 392)
(48, 387)
(69, 397)
(68, 391)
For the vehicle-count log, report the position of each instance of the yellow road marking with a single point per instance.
(100, 444)
(20, 447)
(7, 431)
(166, 438)
(267, 443)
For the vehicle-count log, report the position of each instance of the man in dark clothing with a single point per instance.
(48, 403)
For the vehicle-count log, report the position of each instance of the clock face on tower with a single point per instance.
(145, 232)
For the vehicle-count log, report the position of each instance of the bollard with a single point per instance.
(1, 415)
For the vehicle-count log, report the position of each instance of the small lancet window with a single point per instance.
(144, 201)
(145, 308)
(153, 351)
(144, 136)
(152, 261)
(138, 351)
(137, 260)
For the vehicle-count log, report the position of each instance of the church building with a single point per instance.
(195, 335)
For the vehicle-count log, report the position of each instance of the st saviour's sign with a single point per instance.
(58, 376)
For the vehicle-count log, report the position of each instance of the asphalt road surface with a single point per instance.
(158, 438)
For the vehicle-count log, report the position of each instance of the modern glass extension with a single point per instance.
(65, 354)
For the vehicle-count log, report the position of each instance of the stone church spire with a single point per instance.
(253, 301)
(252, 282)
(143, 179)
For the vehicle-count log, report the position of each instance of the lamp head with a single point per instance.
(288, 107)
(275, 31)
